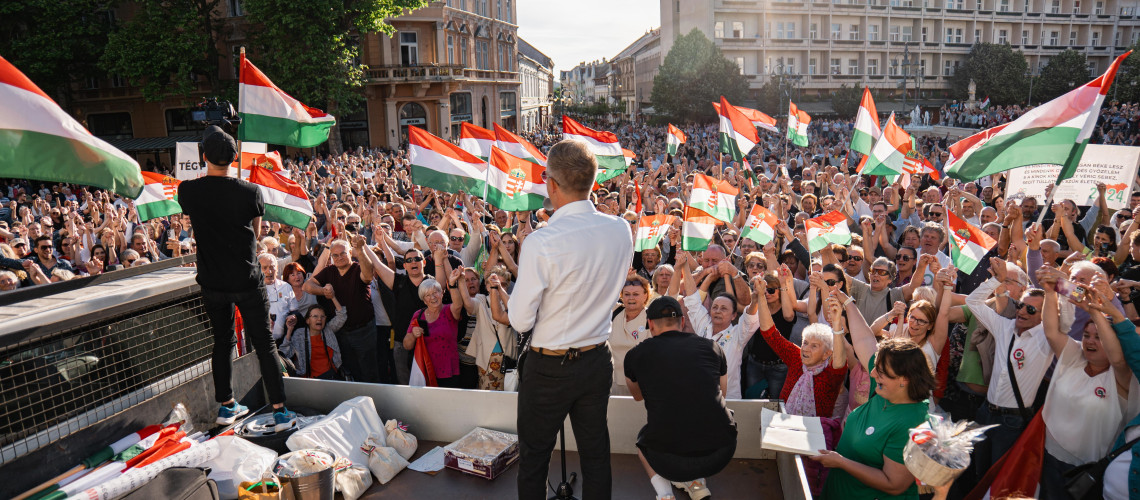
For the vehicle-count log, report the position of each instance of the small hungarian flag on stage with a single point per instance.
(441, 165)
(285, 201)
(826, 229)
(797, 125)
(737, 134)
(713, 197)
(270, 115)
(476, 140)
(159, 197)
(674, 138)
(968, 244)
(650, 230)
(761, 225)
(514, 184)
(697, 230)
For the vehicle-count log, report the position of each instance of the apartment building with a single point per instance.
(535, 93)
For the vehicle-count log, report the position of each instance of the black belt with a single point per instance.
(1002, 410)
(777, 362)
(573, 351)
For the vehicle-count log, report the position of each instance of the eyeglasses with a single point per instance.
(130, 261)
(936, 214)
(1028, 308)
(904, 258)
(881, 272)
(917, 321)
(831, 282)
(46, 247)
(855, 258)
(456, 238)
(772, 290)
(413, 260)
(755, 265)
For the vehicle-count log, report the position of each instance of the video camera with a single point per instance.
(212, 112)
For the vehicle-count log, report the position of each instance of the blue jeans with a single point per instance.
(999, 439)
(774, 374)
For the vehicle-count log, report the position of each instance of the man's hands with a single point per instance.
(725, 268)
(997, 268)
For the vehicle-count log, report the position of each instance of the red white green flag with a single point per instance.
(1056, 133)
(270, 115)
(476, 140)
(758, 118)
(270, 161)
(517, 146)
(798, 125)
(737, 134)
(761, 225)
(867, 129)
(713, 197)
(887, 156)
(827, 229)
(41, 141)
(158, 197)
(604, 145)
(968, 244)
(629, 156)
(916, 163)
(514, 184)
(697, 230)
(441, 165)
(650, 230)
(285, 201)
(674, 138)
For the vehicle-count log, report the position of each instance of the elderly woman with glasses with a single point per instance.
(628, 327)
(437, 325)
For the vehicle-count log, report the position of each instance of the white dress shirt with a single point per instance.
(1032, 354)
(278, 294)
(732, 340)
(570, 273)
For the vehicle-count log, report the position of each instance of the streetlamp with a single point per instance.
(787, 81)
(1031, 75)
(907, 64)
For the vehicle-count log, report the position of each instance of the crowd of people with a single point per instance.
(1119, 123)
(870, 335)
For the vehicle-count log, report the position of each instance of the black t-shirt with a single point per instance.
(405, 302)
(352, 292)
(222, 210)
(679, 376)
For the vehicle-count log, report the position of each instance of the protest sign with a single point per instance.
(187, 163)
(1113, 165)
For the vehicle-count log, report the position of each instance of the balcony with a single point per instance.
(397, 74)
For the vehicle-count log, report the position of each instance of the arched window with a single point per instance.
(412, 113)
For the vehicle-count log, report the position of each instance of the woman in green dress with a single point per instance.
(868, 460)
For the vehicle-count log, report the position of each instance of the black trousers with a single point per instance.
(358, 352)
(550, 388)
(254, 307)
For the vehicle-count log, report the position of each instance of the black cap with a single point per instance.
(663, 307)
(218, 147)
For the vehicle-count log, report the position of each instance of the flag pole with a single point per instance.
(241, 69)
(1049, 199)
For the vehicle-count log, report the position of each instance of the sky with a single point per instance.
(583, 30)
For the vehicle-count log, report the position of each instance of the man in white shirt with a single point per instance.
(277, 291)
(570, 273)
(1022, 342)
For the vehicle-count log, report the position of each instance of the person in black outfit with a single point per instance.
(690, 433)
(225, 213)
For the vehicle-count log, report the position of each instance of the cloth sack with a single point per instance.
(384, 461)
(351, 480)
(400, 439)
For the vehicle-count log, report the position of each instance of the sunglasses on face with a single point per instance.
(46, 247)
(456, 238)
(936, 214)
(855, 258)
(413, 260)
(880, 272)
(1028, 308)
(772, 291)
(831, 282)
(904, 258)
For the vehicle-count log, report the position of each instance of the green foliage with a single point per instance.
(998, 71)
(694, 74)
(54, 42)
(770, 99)
(308, 48)
(1126, 86)
(164, 45)
(846, 101)
(1066, 71)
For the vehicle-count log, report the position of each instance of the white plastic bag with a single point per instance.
(400, 439)
(351, 480)
(384, 461)
(343, 430)
(238, 461)
(511, 381)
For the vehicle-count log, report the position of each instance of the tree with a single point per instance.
(167, 47)
(54, 42)
(1064, 72)
(846, 101)
(997, 71)
(1126, 86)
(311, 48)
(694, 74)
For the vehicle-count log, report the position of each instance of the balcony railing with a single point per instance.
(415, 73)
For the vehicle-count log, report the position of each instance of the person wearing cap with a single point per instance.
(225, 212)
(683, 378)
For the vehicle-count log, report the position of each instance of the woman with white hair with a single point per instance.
(437, 325)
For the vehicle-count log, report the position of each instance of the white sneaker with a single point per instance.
(696, 489)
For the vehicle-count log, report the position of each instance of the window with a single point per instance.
(811, 66)
(1003, 6)
(507, 104)
(740, 64)
(409, 50)
(872, 32)
(1116, 38)
(91, 83)
(482, 47)
(853, 32)
(791, 66)
(1025, 6)
(925, 33)
(1072, 38)
(498, 9)
(1096, 39)
(906, 33)
(1056, 7)
(111, 125)
(235, 8)
(463, 51)
(737, 29)
(835, 66)
(1076, 6)
(1092, 68)
(1003, 36)
(852, 66)
(450, 50)
(836, 31)
(872, 66)
(510, 13)
(179, 123)
(1099, 9)
(768, 30)
(893, 68)
(118, 81)
(921, 67)
(779, 30)
(813, 30)
(953, 35)
(1025, 37)
(1053, 37)
(792, 31)
(977, 36)
(894, 35)
(718, 29)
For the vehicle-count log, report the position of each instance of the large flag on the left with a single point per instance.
(674, 138)
(1053, 133)
(40, 141)
(270, 115)
(968, 244)
(798, 125)
(737, 135)
(158, 197)
(441, 165)
(867, 129)
(285, 200)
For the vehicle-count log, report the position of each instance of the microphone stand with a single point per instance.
(564, 491)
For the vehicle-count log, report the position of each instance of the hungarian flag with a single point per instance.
(604, 145)
(423, 372)
(674, 138)
(514, 184)
(517, 146)
(985, 104)
(1053, 133)
(159, 197)
(441, 165)
(270, 115)
(826, 229)
(39, 140)
(916, 163)
(797, 125)
(250, 152)
(650, 230)
(887, 156)
(867, 129)
(761, 225)
(1016, 474)
(476, 140)
(697, 230)
(737, 134)
(270, 161)
(285, 201)
(713, 197)
(629, 156)
(968, 244)
(758, 118)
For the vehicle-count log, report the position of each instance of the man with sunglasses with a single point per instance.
(44, 256)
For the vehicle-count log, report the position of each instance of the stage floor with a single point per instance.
(741, 479)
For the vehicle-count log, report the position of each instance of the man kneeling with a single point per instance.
(690, 434)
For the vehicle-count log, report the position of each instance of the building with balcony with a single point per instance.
(624, 74)
(536, 92)
(863, 42)
(646, 62)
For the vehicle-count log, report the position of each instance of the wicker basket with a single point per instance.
(926, 469)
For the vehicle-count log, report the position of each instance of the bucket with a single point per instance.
(926, 469)
(318, 485)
